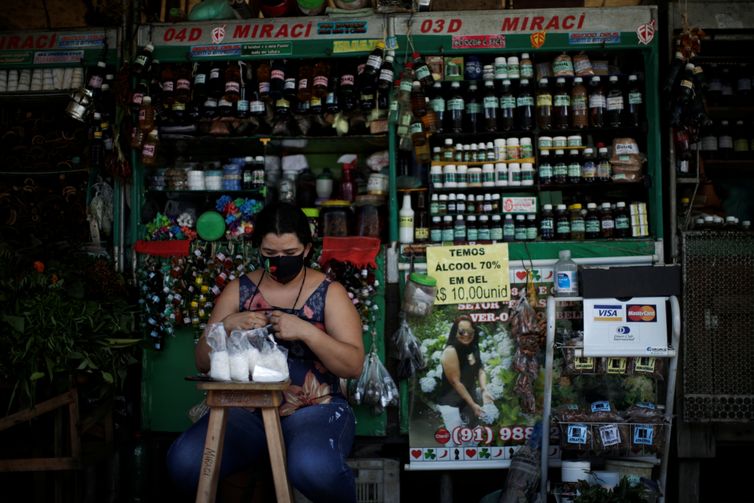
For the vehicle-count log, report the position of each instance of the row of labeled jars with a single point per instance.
(546, 106)
(573, 222)
(559, 168)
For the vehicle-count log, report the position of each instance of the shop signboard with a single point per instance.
(264, 38)
(445, 431)
(56, 48)
(532, 29)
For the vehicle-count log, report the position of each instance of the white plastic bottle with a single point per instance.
(566, 275)
(406, 221)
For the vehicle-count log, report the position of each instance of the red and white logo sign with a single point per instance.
(218, 34)
(641, 313)
(646, 32)
(442, 436)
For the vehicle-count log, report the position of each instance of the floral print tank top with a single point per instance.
(311, 382)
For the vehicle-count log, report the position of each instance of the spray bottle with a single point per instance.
(348, 187)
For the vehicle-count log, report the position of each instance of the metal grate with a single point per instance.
(718, 319)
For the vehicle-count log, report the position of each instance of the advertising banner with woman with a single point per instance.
(480, 395)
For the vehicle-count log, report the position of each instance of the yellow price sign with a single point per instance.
(469, 273)
(361, 45)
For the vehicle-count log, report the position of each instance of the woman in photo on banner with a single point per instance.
(462, 374)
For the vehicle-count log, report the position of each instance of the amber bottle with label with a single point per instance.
(544, 106)
(579, 105)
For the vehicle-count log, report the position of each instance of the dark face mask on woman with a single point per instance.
(283, 268)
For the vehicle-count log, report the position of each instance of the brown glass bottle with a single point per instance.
(597, 103)
(167, 80)
(232, 82)
(277, 78)
(321, 79)
(544, 106)
(304, 86)
(263, 80)
(183, 83)
(561, 104)
(579, 105)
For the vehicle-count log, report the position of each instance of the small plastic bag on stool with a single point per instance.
(272, 365)
(219, 360)
(238, 346)
(256, 339)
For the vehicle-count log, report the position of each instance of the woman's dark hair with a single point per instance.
(281, 218)
(463, 349)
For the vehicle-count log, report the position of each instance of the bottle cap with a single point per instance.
(564, 254)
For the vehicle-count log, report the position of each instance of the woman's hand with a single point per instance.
(289, 327)
(486, 397)
(477, 410)
(245, 320)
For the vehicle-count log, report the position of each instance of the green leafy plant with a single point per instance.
(624, 492)
(63, 322)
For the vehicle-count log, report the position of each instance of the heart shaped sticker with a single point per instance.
(521, 275)
(470, 452)
(416, 453)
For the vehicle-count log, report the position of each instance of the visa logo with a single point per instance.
(608, 312)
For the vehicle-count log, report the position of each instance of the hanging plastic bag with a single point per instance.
(374, 387)
(238, 344)
(410, 356)
(219, 360)
(272, 364)
(524, 318)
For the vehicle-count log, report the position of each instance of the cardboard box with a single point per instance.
(631, 281)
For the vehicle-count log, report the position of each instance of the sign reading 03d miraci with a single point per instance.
(469, 273)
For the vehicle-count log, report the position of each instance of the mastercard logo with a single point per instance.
(641, 313)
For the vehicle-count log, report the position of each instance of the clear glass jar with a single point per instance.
(336, 219)
(419, 295)
(369, 220)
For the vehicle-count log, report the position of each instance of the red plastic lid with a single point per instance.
(277, 10)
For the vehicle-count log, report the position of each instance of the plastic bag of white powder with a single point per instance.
(219, 361)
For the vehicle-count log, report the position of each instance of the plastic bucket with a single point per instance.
(634, 470)
(573, 471)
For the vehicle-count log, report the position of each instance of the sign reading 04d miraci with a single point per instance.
(469, 273)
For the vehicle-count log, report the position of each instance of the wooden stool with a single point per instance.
(220, 396)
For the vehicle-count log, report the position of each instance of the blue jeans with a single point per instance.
(318, 439)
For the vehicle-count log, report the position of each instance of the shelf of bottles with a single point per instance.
(223, 126)
(525, 147)
(713, 132)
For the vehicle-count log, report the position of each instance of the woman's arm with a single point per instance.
(339, 347)
(226, 312)
(486, 397)
(451, 366)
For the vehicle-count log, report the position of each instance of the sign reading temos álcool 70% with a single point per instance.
(469, 273)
